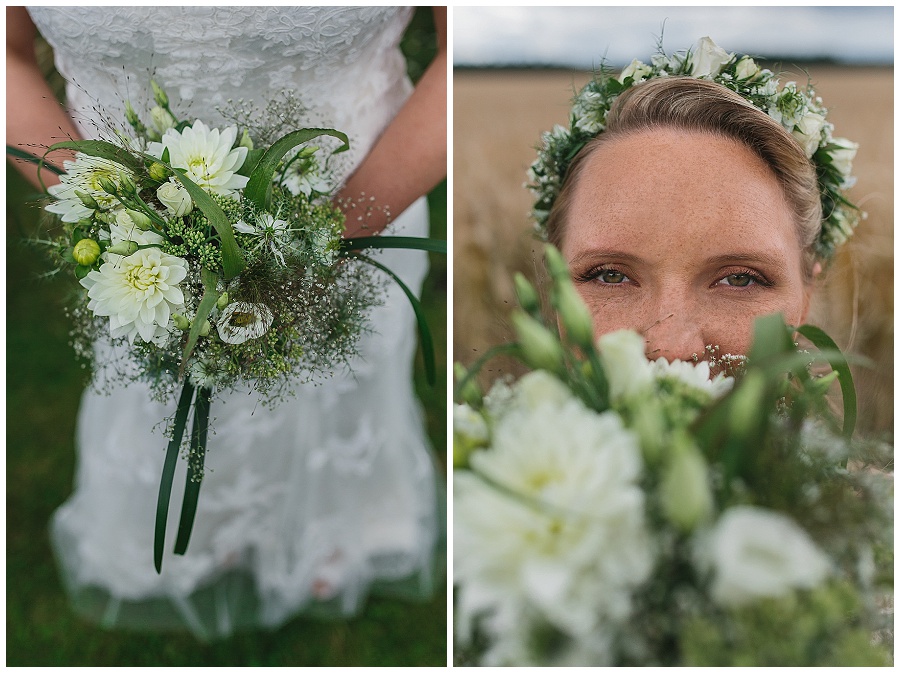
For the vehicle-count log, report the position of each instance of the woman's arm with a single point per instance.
(34, 118)
(410, 157)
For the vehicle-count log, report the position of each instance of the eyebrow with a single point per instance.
(605, 252)
(753, 257)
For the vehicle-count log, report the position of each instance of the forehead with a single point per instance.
(665, 185)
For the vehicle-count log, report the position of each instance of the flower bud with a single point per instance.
(86, 251)
(540, 348)
(222, 301)
(158, 172)
(130, 115)
(126, 183)
(556, 264)
(161, 118)
(204, 330)
(575, 315)
(125, 248)
(181, 322)
(140, 220)
(525, 292)
(684, 492)
(108, 185)
(470, 393)
(747, 403)
(246, 140)
(87, 199)
(159, 95)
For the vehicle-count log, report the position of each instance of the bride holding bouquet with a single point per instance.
(333, 494)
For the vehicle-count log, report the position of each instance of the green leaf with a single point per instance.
(771, 338)
(32, 159)
(404, 242)
(233, 261)
(424, 333)
(839, 364)
(195, 469)
(165, 484)
(251, 162)
(100, 148)
(259, 188)
(207, 302)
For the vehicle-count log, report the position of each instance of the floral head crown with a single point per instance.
(799, 111)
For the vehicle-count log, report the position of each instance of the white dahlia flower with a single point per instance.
(138, 293)
(83, 175)
(574, 544)
(207, 156)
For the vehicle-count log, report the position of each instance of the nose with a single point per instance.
(675, 335)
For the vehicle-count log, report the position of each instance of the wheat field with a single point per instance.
(497, 119)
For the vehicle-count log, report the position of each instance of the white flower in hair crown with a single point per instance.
(798, 110)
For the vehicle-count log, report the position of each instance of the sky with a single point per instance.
(581, 36)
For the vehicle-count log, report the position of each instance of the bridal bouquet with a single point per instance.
(610, 510)
(214, 259)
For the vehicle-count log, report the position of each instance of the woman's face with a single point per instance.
(685, 237)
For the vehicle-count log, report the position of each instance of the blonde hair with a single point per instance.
(692, 104)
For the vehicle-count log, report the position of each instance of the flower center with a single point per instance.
(141, 278)
(240, 319)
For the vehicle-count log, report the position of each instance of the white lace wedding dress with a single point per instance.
(332, 495)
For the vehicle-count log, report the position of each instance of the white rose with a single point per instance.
(757, 553)
(842, 158)
(746, 68)
(626, 367)
(175, 198)
(708, 59)
(808, 132)
(636, 70)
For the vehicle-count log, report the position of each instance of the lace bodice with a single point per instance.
(342, 62)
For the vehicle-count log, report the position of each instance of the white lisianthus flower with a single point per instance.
(207, 156)
(808, 132)
(842, 159)
(695, 375)
(138, 293)
(636, 70)
(756, 553)
(580, 471)
(624, 363)
(242, 321)
(708, 59)
(84, 175)
(175, 198)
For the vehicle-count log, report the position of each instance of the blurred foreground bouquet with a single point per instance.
(213, 259)
(609, 510)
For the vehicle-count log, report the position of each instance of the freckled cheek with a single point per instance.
(611, 313)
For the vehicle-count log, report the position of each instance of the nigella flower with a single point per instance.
(83, 175)
(138, 293)
(272, 233)
(242, 321)
(207, 156)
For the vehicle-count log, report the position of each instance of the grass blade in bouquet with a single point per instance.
(212, 264)
(612, 510)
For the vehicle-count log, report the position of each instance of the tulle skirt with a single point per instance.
(305, 508)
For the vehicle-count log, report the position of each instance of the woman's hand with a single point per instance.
(34, 118)
(410, 157)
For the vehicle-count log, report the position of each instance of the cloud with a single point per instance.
(582, 36)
